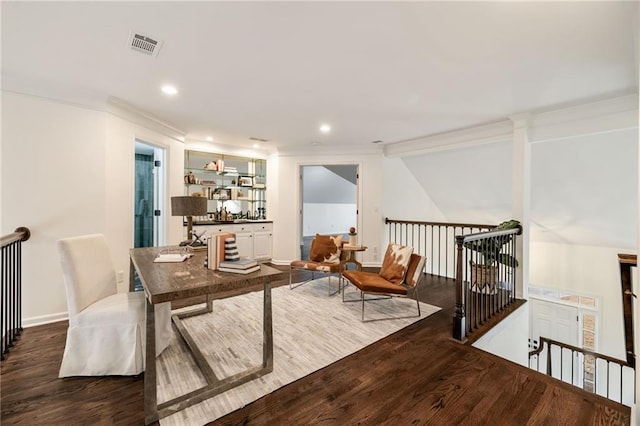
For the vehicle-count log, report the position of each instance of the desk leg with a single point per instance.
(132, 276)
(150, 390)
(267, 342)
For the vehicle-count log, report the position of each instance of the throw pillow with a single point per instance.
(334, 255)
(414, 269)
(325, 248)
(394, 265)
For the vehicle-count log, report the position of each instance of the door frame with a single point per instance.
(300, 200)
(160, 191)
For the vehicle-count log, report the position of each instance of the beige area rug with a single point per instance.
(310, 331)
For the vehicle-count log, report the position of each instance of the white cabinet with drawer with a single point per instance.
(244, 239)
(254, 240)
(262, 240)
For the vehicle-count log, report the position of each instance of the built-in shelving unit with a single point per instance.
(234, 186)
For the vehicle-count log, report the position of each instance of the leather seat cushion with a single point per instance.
(370, 282)
(316, 266)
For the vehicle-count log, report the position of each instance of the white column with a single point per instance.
(521, 196)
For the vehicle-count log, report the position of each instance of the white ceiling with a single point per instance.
(277, 70)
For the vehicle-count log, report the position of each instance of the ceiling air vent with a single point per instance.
(145, 44)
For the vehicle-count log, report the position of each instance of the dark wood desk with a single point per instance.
(165, 282)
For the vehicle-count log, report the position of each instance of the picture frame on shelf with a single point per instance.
(245, 181)
(222, 194)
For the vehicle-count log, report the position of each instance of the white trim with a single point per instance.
(582, 309)
(333, 150)
(600, 116)
(121, 109)
(45, 319)
(479, 135)
(223, 149)
(113, 106)
(595, 117)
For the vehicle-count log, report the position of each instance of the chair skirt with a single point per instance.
(108, 337)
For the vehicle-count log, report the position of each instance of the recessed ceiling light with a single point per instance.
(325, 128)
(209, 139)
(256, 146)
(315, 143)
(170, 90)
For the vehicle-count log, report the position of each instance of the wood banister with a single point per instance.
(627, 261)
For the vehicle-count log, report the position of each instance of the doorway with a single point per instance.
(329, 202)
(148, 195)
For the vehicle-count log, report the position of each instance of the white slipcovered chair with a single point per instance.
(106, 334)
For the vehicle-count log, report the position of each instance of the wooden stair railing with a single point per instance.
(11, 287)
(591, 371)
(434, 240)
(627, 261)
(484, 290)
(442, 244)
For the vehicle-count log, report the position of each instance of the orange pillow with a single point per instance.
(394, 265)
(325, 248)
(414, 269)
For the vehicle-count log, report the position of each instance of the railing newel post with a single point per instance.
(478, 301)
(459, 327)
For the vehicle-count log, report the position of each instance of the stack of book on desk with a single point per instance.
(216, 249)
(241, 266)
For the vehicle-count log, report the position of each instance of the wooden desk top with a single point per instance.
(164, 282)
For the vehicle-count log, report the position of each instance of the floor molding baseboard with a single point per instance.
(45, 319)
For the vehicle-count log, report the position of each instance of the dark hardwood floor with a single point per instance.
(415, 376)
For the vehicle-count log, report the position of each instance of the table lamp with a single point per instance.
(188, 206)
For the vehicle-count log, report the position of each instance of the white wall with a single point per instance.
(284, 202)
(467, 185)
(329, 202)
(403, 195)
(584, 189)
(119, 178)
(509, 338)
(327, 218)
(590, 270)
(584, 199)
(68, 170)
(53, 168)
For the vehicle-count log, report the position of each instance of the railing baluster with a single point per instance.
(432, 256)
(621, 385)
(3, 327)
(608, 376)
(14, 294)
(479, 296)
(11, 288)
(446, 252)
(580, 359)
(573, 354)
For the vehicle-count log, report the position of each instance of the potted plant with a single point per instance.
(490, 251)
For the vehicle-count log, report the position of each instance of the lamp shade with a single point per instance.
(188, 206)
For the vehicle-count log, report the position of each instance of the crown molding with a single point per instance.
(128, 112)
(225, 149)
(588, 118)
(330, 150)
(479, 135)
(599, 116)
